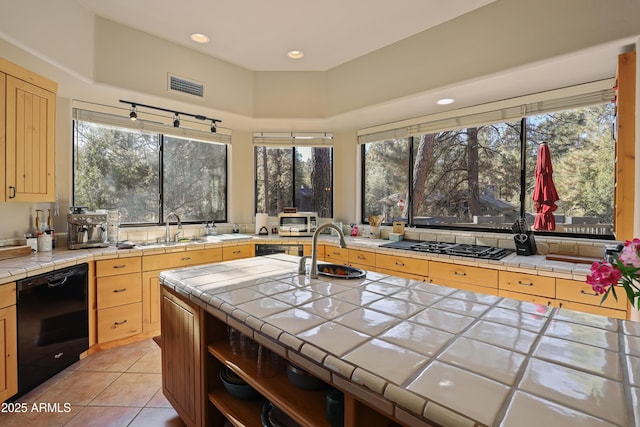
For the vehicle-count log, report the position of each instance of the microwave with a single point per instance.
(297, 224)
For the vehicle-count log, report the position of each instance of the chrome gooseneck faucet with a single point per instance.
(167, 236)
(314, 249)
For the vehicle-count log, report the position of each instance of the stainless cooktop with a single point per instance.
(459, 249)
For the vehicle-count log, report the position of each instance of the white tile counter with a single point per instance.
(420, 351)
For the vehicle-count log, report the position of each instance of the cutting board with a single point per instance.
(14, 251)
(572, 258)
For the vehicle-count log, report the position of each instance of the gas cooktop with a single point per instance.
(459, 249)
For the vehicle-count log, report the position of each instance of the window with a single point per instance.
(147, 175)
(474, 177)
(300, 177)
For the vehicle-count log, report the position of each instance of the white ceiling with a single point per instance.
(257, 34)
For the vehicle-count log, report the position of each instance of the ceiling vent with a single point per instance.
(185, 86)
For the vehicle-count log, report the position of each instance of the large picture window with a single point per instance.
(300, 177)
(483, 177)
(147, 175)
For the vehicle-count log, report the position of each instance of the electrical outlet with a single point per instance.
(567, 248)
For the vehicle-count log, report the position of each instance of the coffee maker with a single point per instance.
(86, 229)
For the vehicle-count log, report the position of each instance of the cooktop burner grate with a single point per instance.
(458, 249)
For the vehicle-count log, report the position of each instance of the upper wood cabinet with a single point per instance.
(27, 135)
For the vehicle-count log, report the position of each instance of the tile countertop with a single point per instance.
(43, 262)
(454, 357)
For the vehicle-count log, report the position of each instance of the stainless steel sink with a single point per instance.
(340, 271)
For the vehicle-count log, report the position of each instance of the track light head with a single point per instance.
(133, 115)
(176, 121)
(213, 126)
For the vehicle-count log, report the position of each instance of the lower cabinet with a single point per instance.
(577, 295)
(182, 370)
(119, 298)
(409, 268)
(527, 287)
(8, 342)
(238, 252)
(153, 265)
(475, 279)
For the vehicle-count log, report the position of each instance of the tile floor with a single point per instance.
(117, 387)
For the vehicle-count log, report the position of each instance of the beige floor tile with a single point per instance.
(150, 362)
(158, 401)
(78, 388)
(130, 389)
(157, 417)
(103, 416)
(42, 388)
(115, 360)
(39, 418)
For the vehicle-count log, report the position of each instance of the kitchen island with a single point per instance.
(401, 350)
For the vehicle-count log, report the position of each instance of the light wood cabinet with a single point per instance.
(183, 374)
(152, 265)
(527, 287)
(8, 342)
(577, 295)
(403, 266)
(361, 259)
(238, 252)
(476, 279)
(27, 143)
(336, 255)
(119, 298)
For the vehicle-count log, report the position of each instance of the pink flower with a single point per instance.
(629, 255)
(603, 275)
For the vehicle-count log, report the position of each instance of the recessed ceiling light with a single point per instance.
(295, 54)
(445, 101)
(199, 38)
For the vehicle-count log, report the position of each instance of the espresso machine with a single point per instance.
(86, 229)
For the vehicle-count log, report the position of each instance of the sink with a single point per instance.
(340, 271)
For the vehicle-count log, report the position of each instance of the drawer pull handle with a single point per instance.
(120, 323)
(12, 192)
(335, 253)
(595, 294)
(120, 290)
(520, 282)
(236, 252)
(120, 266)
(400, 264)
(361, 257)
(185, 258)
(457, 273)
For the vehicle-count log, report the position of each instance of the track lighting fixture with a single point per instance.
(133, 115)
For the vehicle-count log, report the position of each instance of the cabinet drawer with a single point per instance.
(7, 294)
(466, 286)
(361, 258)
(180, 259)
(593, 309)
(402, 274)
(528, 284)
(119, 322)
(119, 290)
(463, 274)
(307, 249)
(336, 254)
(413, 266)
(112, 267)
(236, 252)
(549, 302)
(580, 292)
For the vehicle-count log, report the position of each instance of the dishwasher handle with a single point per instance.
(57, 282)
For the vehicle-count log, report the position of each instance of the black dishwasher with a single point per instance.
(53, 324)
